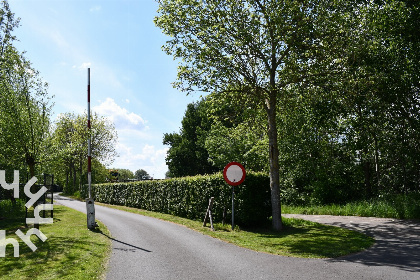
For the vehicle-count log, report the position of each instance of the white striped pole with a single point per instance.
(89, 148)
(90, 205)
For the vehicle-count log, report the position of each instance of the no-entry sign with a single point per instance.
(234, 173)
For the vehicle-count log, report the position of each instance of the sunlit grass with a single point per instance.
(71, 251)
(391, 206)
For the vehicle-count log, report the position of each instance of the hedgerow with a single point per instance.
(189, 197)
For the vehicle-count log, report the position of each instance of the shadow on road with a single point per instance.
(134, 248)
(131, 247)
(397, 244)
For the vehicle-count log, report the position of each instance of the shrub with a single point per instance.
(11, 210)
(189, 197)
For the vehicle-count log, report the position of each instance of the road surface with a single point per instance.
(148, 248)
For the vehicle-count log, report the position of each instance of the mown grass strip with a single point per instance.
(71, 251)
(390, 206)
(300, 238)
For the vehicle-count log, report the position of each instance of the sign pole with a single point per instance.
(233, 207)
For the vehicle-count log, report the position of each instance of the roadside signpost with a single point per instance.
(234, 174)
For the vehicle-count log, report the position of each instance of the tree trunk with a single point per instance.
(367, 173)
(74, 179)
(67, 179)
(274, 162)
(378, 174)
(72, 173)
(35, 188)
(81, 175)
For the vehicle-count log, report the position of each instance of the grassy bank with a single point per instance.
(391, 206)
(300, 238)
(70, 251)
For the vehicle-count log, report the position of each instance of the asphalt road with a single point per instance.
(148, 248)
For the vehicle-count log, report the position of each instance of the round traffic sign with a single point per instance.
(234, 173)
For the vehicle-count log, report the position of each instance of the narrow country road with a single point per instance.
(148, 248)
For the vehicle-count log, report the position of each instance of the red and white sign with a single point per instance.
(234, 173)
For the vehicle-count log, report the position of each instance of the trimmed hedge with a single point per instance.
(189, 197)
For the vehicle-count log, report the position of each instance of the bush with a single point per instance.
(11, 210)
(189, 197)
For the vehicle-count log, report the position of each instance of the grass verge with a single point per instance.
(71, 251)
(389, 206)
(300, 238)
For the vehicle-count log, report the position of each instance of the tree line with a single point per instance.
(125, 175)
(323, 95)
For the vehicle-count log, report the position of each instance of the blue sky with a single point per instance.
(130, 74)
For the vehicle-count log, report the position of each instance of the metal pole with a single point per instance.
(89, 148)
(45, 194)
(52, 195)
(233, 207)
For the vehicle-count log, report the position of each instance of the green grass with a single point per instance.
(299, 238)
(71, 251)
(391, 206)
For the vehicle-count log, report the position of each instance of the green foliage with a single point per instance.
(12, 210)
(141, 174)
(238, 143)
(402, 206)
(124, 174)
(189, 197)
(25, 108)
(255, 51)
(69, 147)
(357, 137)
(187, 155)
(338, 81)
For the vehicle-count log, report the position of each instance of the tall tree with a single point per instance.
(142, 174)
(125, 174)
(9, 57)
(187, 155)
(70, 139)
(28, 106)
(257, 47)
(25, 106)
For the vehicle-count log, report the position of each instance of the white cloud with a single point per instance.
(85, 65)
(148, 158)
(96, 8)
(121, 117)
